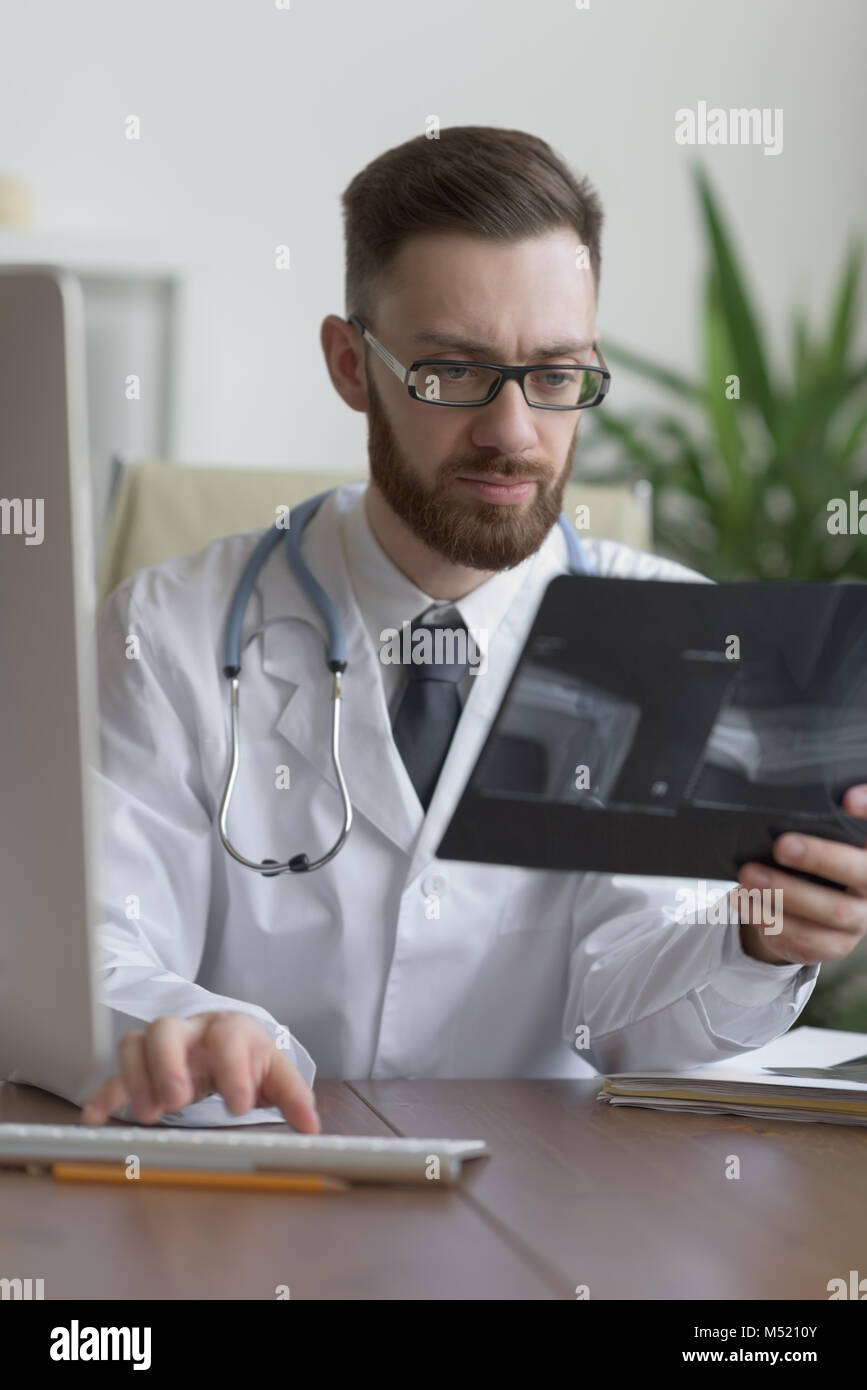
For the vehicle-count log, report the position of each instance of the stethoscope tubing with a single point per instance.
(335, 660)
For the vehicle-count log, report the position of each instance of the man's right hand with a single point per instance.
(177, 1061)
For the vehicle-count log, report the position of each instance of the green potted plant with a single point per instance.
(744, 460)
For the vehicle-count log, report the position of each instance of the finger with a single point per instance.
(855, 801)
(167, 1044)
(133, 1067)
(111, 1095)
(826, 907)
(282, 1086)
(230, 1051)
(802, 942)
(845, 864)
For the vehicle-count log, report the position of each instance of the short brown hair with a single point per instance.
(502, 184)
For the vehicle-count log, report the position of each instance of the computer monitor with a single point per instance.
(51, 1028)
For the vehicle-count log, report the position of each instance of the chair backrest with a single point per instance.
(159, 510)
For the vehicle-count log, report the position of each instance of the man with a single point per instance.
(477, 248)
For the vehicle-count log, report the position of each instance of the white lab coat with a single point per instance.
(387, 962)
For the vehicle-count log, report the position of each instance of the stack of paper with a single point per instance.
(815, 1074)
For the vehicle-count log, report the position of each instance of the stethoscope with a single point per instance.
(335, 660)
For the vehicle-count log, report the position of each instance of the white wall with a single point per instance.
(254, 119)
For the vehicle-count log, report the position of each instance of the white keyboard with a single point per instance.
(359, 1159)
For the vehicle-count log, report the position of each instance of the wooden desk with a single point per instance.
(633, 1203)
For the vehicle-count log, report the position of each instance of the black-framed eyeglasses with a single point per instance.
(447, 381)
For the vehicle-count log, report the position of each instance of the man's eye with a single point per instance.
(454, 373)
(551, 381)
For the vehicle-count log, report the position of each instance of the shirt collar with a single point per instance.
(387, 598)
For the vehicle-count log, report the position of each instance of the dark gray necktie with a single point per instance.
(431, 707)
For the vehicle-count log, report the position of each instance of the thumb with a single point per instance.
(855, 801)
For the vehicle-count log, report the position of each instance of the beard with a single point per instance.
(465, 530)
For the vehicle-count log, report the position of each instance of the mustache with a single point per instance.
(503, 467)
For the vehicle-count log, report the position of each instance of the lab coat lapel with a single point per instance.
(294, 652)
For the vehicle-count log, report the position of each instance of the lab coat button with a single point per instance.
(433, 886)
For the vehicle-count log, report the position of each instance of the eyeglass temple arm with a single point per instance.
(391, 362)
(402, 373)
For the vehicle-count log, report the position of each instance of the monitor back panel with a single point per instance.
(48, 718)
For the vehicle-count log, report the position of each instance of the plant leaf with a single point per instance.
(722, 412)
(843, 321)
(740, 319)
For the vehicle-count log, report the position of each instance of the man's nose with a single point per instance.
(506, 424)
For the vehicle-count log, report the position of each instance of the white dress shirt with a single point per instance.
(387, 599)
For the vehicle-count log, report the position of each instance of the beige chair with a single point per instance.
(159, 510)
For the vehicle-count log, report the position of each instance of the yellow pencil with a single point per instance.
(188, 1177)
